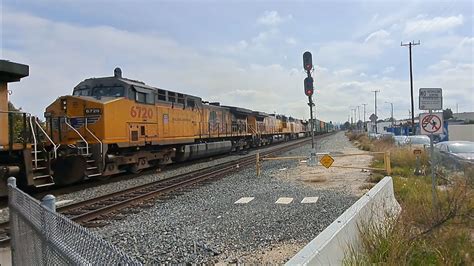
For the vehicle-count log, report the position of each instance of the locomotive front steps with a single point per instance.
(40, 167)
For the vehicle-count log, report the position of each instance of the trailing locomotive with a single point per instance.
(110, 125)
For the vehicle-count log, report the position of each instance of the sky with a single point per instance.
(247, 53)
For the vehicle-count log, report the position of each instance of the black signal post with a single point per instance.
(309, 91)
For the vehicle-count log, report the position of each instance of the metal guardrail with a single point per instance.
(40, 236)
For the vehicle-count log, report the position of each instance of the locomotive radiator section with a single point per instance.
(201, 150)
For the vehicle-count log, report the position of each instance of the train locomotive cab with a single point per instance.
(108, 125)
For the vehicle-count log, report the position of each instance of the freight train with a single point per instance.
(111, 125)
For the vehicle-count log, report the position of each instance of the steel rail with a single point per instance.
(129, 196)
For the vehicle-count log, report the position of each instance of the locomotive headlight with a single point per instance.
(64, 104)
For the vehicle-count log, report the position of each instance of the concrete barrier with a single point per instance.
(331, 245)
(5, 256)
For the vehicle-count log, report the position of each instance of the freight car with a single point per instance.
(113, 124)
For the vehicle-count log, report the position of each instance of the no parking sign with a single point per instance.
(431, 123)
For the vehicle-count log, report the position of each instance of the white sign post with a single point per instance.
(431, 124)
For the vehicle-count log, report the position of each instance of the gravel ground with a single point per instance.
(203, 225)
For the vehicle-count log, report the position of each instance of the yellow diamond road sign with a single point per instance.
(326, 161)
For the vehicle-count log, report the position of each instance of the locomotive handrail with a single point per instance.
(55, 147)
(77, 132)
(35, 142)
(96, 138)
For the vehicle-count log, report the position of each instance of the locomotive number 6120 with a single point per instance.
(141, 112)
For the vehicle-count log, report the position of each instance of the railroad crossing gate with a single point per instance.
(326, 160)
(431, 123)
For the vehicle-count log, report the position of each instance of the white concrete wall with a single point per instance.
(330, 246)
(380, 127)
(461, 132)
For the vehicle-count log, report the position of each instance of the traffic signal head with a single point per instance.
(307, 61)
(308, 86)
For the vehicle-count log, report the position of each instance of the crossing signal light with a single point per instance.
(307, 61)
(308, 86)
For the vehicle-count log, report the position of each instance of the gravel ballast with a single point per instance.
(204, 225)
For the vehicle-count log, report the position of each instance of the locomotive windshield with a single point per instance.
(114, 91)
(82, 92)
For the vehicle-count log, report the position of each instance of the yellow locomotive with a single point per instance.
(114, 124)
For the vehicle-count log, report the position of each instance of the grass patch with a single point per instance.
(366, 186)
(421, 234)
(374, 178)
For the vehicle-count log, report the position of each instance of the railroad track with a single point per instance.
(96, 211)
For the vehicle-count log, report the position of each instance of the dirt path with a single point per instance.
(349, 180)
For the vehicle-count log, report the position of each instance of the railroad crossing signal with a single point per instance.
(307, 61)
(308, 86)
(326, 160)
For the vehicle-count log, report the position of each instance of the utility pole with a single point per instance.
(358, 112)
(391, 113)
(457, 108)
(353, 115)
(364, 104)
(410, 44)
(375, 92)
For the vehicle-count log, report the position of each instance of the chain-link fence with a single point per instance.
(40, 236)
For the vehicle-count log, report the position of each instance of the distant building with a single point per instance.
(466, 116)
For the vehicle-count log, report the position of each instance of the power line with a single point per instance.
(410, 44)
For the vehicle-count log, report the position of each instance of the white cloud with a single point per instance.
(441, 65)
(290, 41)
(378, 36)
(60, 55)
(240, 46)
(463, 51)
(436, 24)
(388, 70)
(344, 72)
(272, 18)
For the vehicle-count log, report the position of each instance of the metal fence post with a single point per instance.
(49, 202)
(11, 181)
